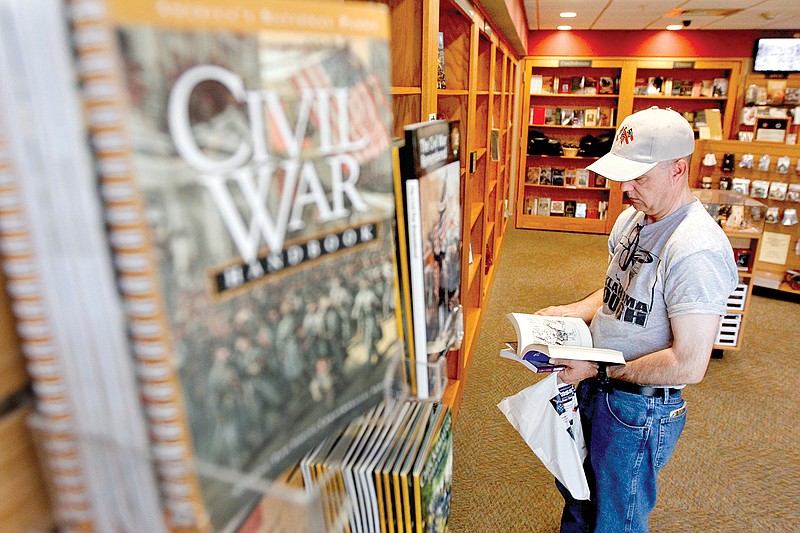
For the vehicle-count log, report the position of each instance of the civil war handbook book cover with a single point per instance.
(256, 196)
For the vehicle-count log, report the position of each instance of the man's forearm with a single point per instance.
(587, 307)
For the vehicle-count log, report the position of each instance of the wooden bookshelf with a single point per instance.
(628, 94)
(480, 73)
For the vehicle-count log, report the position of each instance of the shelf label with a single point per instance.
(574, 62)
(683, 64)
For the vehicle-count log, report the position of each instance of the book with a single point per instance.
(546, 175)
(537, 115)
(385, 462)
(532, 175)
(549, 84)
(776, 91)
(590, 117)
(590, 85)
(578, 85)
(557, 208)
(719, 87)
(88, 425)
(441, 81)
(402, 467)
(606, 85)
(541, 338)
(494, 144)
(557, 176)
(394, 509)
(605, 116)
(251, 217)
(569, 208)
(537, 84)
(357, 514)
(397, 421)
(582, 178)
(543, 206)
(432, 475)
(654, 85)
(714, 121)
(429, 164)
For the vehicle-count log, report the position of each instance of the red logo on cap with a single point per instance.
(625, 135)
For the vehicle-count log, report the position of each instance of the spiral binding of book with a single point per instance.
(88, 418)
(97, 55)
(59, 447)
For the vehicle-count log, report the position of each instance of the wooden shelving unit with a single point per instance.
(695, 71)
(764, 97)
(629, 75)
(480, 72)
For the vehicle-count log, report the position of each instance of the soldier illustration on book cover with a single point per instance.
(441, 227)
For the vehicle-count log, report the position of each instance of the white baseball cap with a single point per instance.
(643, 140)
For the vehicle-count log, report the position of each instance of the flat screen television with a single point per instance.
(776, 54)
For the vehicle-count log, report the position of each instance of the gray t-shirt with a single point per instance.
(682, 264)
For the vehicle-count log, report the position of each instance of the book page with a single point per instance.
(549, 330)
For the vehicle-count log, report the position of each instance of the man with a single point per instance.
(670, 272)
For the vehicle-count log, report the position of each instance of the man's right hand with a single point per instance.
(556, 310)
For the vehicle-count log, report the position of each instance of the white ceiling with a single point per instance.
(657, 14)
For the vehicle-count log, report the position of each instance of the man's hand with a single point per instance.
(556, 310)
(576, 370)
(584, 309)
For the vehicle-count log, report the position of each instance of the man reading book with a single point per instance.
(670, 272)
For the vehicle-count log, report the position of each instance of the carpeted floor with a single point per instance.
(737, 465)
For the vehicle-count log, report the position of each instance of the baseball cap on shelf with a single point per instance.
(643, 140)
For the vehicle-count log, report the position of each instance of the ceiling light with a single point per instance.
(568, 14)
(674, 27)
(564, 27)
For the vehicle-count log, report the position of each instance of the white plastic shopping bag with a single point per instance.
(546, 416)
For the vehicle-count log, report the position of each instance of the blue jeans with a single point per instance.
(630, 438)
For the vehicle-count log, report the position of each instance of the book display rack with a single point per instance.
(477, 88)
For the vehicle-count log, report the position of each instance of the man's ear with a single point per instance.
(680, 170)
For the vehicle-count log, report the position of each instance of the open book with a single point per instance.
(541, 338)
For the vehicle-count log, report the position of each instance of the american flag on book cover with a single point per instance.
(366, 103)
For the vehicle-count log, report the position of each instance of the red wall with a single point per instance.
(617, 43)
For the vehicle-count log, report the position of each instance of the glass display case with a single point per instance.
(734, 212)
(742, 218)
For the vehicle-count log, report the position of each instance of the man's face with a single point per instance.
(652, 193)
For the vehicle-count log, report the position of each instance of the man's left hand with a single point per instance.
(576, 371)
